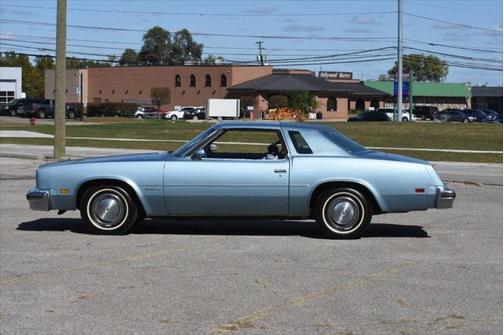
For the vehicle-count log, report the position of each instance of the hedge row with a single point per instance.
(111, 109)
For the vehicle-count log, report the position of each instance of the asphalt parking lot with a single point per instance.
(434, 272)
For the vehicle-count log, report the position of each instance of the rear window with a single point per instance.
(300, 143)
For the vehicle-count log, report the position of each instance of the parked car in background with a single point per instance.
(453, 115)
(39, 108)
(476, 115)
(405, 116)
(148, 112)
(426, 112)
(492, 114)
(370, 116)
(290, 170)
(177, 114)
(195, 114)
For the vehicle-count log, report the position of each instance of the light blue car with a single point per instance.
(253, 169)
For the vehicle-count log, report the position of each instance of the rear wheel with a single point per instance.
(343, 212)
(41, 114)
(13, 113)
(108, 210)
(71, 115)
(139, 116)
(405, 119)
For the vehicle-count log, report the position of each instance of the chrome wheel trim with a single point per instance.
(107, 209)
(343, 212)
(174, 117)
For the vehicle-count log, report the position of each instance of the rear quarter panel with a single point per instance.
(392, 183)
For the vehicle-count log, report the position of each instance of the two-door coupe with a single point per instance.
(267, 169)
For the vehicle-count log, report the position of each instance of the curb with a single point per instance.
(22, 156)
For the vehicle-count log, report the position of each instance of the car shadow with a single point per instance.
(226, 226)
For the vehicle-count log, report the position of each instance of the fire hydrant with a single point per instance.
(32, 121)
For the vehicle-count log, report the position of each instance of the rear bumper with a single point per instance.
(445, 197)
(39, 200)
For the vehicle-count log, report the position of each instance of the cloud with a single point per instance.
(298, 28)
(365, 20)
(457, 36)
(359, 30)
(262, 10)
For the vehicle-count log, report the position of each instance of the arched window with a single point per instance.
(208, 80)
(223, 80)
(192, 80)
(178, 81)
(332, 105)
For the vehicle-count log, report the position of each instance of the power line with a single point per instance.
(116, 29)
(498, 61)
(202, 14)
(451, 23)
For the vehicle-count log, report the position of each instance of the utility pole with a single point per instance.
(399, 60)
(261, 55)
(59, 114)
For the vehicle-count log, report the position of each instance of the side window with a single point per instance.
(246, 144)
(299, 143)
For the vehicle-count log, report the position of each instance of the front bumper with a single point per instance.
(445, 197)
(39, 200)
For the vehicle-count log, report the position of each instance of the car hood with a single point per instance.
(145, 157)
(371, 154)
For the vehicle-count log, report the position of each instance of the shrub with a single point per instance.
(111, 109)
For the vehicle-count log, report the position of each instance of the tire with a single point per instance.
(343, 212)
(174, 118)
(466, 121)
(405, 119)
(108, 210)
(71, 115)
(41, 114)
(139, 116)
(195, 117)
(13, 113)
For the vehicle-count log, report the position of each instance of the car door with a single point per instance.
(227, 186)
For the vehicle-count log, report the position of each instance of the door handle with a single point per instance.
(280, 171)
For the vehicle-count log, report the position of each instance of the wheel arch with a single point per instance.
(367, 190)
(130, 187)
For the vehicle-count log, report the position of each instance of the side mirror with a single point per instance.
(198, 154)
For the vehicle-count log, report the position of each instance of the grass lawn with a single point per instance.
(398, 135)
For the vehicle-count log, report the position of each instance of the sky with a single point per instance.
(466, 33)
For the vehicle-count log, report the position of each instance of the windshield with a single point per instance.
(186, 147)
(342, 141)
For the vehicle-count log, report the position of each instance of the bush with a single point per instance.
(111, 109)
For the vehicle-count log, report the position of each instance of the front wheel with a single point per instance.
(41, 114)
(108, 210)
(174, 118)
(405, 119)
(343, 212)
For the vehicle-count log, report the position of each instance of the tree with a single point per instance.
(424, 67)
(160, 96)
(278, 101)
(302, 102)
(212, 60)
(157, 46)
(129, 58)
(42, 63)
(80, 63)
(184, 48)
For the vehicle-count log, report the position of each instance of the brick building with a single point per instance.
(189, 85)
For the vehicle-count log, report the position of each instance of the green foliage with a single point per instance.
(129, 58)
(79, 63)
(278, 101)
(212, 60)
(424, 67)
(29, 75)
(160, 96)
(302, 102)
(160, 49)
(111, 109)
